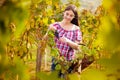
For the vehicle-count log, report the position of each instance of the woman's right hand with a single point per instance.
(51, 27)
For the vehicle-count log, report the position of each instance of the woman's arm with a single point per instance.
(72, 44)
(51, 28)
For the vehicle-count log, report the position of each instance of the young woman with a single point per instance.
(69, 34)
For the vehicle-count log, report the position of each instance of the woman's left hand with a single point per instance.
(69, 42)
(63, 39)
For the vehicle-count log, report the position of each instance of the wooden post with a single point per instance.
(38, 61)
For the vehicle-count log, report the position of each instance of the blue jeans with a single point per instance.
(53, 65)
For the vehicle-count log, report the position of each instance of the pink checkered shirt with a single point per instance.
(64, 48)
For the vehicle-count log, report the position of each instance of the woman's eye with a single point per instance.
(67, 14)
(71, 15)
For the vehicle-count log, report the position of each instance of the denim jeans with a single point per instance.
(53, 65)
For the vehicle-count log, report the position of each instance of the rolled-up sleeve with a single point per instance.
(55, 25)
(78, 35)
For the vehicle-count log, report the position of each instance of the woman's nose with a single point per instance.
(68, 17)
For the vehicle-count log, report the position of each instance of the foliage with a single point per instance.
(49, 76)
(10, 28)
(107, 39)
(23, 23)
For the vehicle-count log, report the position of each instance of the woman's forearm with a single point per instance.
(73, 44)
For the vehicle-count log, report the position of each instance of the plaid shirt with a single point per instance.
(64, 48)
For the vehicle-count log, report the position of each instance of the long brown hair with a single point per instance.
(74, 9)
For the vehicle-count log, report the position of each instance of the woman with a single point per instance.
(69, 35)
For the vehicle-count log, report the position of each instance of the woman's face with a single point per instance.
(68, 15)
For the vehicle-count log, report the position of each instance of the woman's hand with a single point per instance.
(72, 44)
(63, 39)
(51, 27)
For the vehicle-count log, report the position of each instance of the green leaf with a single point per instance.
(93, 74)
(54, 52)
(49, 76)
(74, 76)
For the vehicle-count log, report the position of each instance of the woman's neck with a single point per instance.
(63, 22)
(66, 25)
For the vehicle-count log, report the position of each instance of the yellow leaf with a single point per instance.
(45, 21)
(74, 76)
(52, 21)
(107, 4)
(49, 2)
